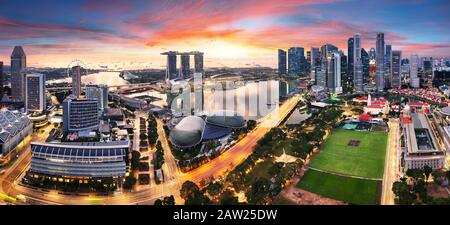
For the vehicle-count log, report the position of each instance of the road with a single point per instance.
(216, 167)
(241, 150)
(391, 163)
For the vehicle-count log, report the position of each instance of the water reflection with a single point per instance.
(108, 78)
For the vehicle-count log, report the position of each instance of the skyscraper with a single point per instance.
(1, 79)
(365, 59)
(328, 49)
(414, 80)
(405, 68)
(344, 72)
(380, 64)
(185, 70)
(427, 71)
(357, 63)
(350, 65)
(387, 74)
(76, 81)
(334, 73)
(372, 54)
(100, 93)
(321, 73)
(103, 89)
(281, 62)
(314, 56)
(171, 65)
(35, 92)
(395, 69)
(198, 62)
(296, 58)
(18, 72)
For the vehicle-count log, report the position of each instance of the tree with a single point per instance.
(169, 200)
(130, 181)
(357, 110)
(427, 171)
(438, 177)
(214, 189)
(251, 124)
(158, 202)
(403, 192)
(228, 198)
(192, 194)
(188, 188)
(259, 192)
(415, 174)
(447, 174)
(135, 156)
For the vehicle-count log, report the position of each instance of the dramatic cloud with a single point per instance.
(235, 31)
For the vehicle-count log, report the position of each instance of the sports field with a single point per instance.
(347, 189)
(356, 153)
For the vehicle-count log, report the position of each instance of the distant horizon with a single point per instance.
(231, 34)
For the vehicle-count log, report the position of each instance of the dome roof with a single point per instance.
(188, 132)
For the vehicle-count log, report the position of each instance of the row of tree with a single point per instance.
(412, 188)
(152, 132)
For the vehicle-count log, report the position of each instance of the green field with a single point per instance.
(365, 160)
(347, 189)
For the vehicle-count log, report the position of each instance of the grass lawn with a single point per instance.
(365, 160)
(347, 189)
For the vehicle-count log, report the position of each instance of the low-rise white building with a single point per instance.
(421, 146)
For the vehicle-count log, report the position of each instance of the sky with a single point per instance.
(132, 34)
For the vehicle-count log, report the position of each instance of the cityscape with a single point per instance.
(102, 104)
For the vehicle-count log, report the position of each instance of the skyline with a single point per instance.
(232, 33)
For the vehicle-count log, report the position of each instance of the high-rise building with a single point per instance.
(198, 62)
(358, 78)
(387, 74)
(171, 65)
(1, 79)
(344, 72)
(18, 72)
(334, 73)
(76, 81)
(80, 114)
(365, 60)
(405, 69)
(395, 69)
(321, 73)
(103, 89)
(427, 71)
(185, 70)
(414, 80)
(315, 54)
(100, 93)
(282, 60)
(296, 59)
(35, 92)
(372, 54)
(380, 64)
(350, 65)
(308, 62)
(327, 49)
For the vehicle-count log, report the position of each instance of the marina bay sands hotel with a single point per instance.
(185, 70)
